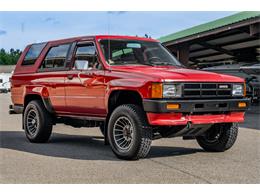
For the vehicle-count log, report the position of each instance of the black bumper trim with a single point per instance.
(194, 106)
(16, 109)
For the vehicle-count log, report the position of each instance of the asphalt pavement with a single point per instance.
(80, 156)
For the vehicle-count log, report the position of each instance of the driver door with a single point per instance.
(85, 88)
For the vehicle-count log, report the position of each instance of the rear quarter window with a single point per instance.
(55, 58)
(33, 53)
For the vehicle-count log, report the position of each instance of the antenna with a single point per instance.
(22, 27)
(108, 32)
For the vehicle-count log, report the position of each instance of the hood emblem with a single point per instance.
(223, 86)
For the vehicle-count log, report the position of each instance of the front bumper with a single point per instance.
(194, 111)
(195, 106)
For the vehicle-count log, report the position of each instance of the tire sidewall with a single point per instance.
(29, 107)
(44, 128)
(133, 150)
(225, 141)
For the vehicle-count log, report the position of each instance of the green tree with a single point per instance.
(9, 58)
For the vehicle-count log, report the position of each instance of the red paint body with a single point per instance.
(89, 96)
(180, 119)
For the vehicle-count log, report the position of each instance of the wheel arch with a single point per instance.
(34, 96)
(29, 97)
(123, 96)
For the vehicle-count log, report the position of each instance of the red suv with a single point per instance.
(133, 88)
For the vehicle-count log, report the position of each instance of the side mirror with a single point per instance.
(81, 64)
(86, 62)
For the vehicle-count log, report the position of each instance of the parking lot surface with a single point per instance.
(80, 156)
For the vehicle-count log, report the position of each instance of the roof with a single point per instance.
(125, 37)
(210, 25)
(84, 38)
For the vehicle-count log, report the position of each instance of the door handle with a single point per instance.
(89, 73)
(70, 76)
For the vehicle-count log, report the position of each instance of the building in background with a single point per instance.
(230, 45)
(229, 40)
(7, 68)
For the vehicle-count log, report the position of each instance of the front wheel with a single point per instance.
(219, 137)
(128, 132)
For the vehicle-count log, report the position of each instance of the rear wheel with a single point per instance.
(219, 137)
(37, 122)
(128, 132)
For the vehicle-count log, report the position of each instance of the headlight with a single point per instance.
(172, 90)
(238, 90)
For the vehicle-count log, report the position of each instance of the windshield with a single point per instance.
(125, 52)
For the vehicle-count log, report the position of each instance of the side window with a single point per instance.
(85, 57)
(33, 53)
(55, 58)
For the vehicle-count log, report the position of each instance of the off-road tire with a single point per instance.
(225, 140)
(142, 134)
(44, 122)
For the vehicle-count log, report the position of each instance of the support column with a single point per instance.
(183, 54)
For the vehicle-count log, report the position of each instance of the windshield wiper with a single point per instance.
(132, 63)
(162, 63)
(147, 64)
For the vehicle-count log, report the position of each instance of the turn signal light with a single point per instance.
(244, 89)
(241, 104)
(157, 90)
(173, 106)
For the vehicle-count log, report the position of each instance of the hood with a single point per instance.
(173, 73)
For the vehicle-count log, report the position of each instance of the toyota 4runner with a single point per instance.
(132, 88)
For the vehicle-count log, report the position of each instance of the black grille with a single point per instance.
(207, 90)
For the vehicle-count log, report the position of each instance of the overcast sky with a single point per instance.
(17, 29)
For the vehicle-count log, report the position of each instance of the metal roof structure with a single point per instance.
(210, 26)
(234, 38)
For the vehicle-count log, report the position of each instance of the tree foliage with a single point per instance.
(9, 57)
